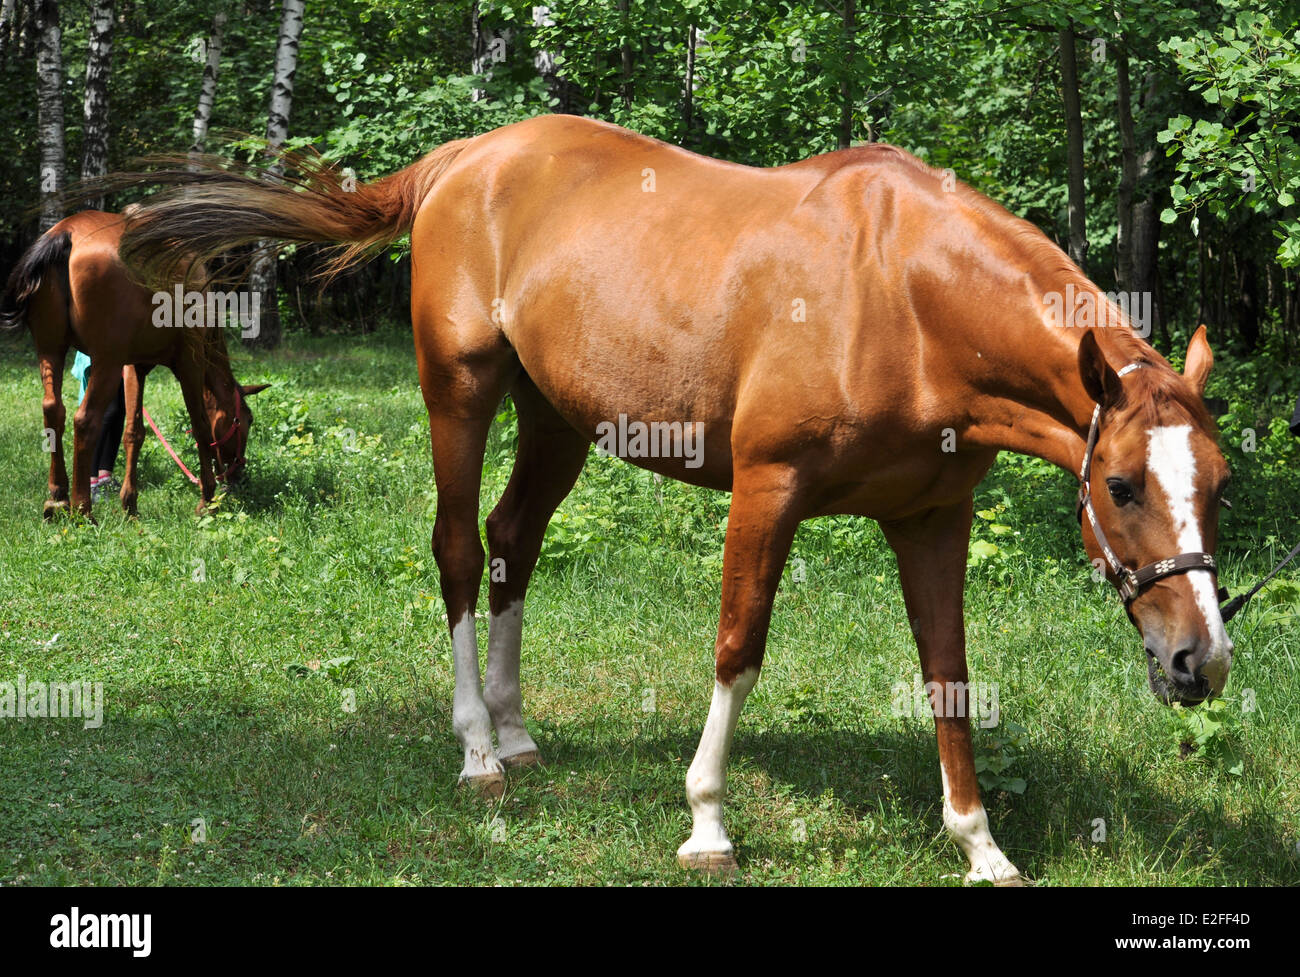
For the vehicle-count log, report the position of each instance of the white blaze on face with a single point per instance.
(1172, 464)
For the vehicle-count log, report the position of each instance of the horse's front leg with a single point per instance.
(760, 529)
(190, 374)
(932, 550)
(54, 415)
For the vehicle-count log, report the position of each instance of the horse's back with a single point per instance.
(633, 277)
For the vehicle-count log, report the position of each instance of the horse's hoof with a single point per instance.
(528, 758)
(488, 786)
(716, 863)
(1014, 881)
(54, 507)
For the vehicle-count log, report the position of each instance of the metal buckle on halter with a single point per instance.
(1129, 582)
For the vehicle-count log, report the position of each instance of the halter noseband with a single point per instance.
(239, 402)
(1129, 582)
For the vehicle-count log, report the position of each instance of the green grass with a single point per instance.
(325, 556)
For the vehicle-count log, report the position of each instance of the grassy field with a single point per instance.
(230, 646)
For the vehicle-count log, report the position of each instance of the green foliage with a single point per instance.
(1245, 153)
(215, 711)
(996, 752)
(1210, 730)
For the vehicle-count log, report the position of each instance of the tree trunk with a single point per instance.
(8, 25)
(263, 275)
(1146, 222)
(845, 136)
(208, 90)
(487, 47)
(625, 55)
(1127, 172)
(544, 62)
(94, 152)
(49, 111)
(1248, 300)
(688, 107)
(1074, 149)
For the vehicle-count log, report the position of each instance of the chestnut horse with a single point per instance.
(848, 334)
(71, 289)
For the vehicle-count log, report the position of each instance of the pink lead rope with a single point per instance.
(158, 434)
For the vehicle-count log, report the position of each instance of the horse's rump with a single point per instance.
(48, 255)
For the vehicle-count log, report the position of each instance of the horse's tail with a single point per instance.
(217, 205)
(48, 256)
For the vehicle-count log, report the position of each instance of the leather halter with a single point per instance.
(1129, 582)
(239, 402)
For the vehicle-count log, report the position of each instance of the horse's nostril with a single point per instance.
(1181, 666)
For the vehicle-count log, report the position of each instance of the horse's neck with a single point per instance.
(1039, 407)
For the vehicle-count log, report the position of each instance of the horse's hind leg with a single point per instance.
(462, 390)
(760, 528)
(548, 460)
(55, 416)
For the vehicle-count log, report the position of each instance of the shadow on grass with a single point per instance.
(364, 778)
(1036, 830)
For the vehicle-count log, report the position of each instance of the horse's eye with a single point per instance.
(1120, 491)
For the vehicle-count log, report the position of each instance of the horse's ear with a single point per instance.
(1200, 360)
(1098, 378)
(253, 388)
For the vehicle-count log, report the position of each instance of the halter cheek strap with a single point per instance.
(239, 402)
(1128, 582)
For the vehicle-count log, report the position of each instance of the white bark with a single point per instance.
(262, 277)
(49, 111)
(94, 156)
(208, 90)
(8, 18)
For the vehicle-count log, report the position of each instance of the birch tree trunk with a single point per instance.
(487, 48)
(263, 276)
(208, 90)
(94, 150)
(8, 25)
(49, 110)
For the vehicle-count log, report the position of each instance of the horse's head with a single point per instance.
(1150, 513)
(230, 419)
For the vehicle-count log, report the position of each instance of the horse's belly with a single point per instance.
(644, 408)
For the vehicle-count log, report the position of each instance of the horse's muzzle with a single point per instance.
(1187, 685)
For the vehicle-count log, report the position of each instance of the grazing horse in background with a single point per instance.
(72, 290)
(846, 334)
